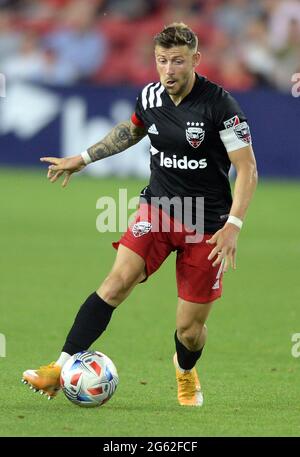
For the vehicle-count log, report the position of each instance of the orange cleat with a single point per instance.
(45, 379)
(188, 384)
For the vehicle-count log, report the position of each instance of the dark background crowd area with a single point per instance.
(245, 43)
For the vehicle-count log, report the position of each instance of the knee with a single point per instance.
(193, 337)
(116, 287)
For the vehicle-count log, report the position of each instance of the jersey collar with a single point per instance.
(199, 81)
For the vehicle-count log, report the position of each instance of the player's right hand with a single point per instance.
(63, 166)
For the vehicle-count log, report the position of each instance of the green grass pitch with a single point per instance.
(52, 257)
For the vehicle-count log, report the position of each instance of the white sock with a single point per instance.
(63, 358)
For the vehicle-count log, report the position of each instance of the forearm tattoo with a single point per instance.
(119, 138)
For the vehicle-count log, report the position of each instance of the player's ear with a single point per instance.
(197, 58)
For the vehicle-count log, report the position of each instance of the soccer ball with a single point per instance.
(89, 378)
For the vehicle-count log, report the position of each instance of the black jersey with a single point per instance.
(189, 145)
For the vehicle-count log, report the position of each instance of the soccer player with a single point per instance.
(197, 130)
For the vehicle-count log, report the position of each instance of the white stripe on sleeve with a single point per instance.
(152, 95)
(144, 96)
(158, 95)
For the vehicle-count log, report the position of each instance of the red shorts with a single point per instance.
(197, 280)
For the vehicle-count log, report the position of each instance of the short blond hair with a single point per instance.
(177, 34)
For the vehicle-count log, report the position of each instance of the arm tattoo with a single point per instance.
(121, 137)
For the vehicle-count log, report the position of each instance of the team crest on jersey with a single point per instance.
(232, 122)
(242, 131)
(195, 133)
(141, 228)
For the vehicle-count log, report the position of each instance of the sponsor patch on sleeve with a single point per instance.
(236, 137)
(232, 122)
(242, 131)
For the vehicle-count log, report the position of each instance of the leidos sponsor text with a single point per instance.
(182, 163)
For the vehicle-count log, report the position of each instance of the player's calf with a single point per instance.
(118, 285)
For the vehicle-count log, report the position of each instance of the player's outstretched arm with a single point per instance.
(225, 240)
(121, 137)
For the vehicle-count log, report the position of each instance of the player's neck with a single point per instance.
(176, 99)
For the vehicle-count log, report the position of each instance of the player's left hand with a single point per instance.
(63, 166)
(225, 241)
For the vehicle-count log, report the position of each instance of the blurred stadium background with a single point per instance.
(72, 70)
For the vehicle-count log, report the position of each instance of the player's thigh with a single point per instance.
(191, 315)
(129, 265)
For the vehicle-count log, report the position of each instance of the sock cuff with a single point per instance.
(182, 346)
(186, 359)
(100, 300)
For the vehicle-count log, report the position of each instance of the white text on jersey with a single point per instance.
(182, 164)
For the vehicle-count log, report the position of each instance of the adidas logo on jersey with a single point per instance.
(152, 129)
(182, 164)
